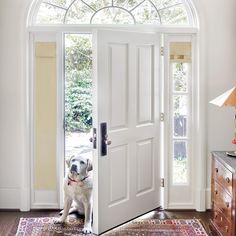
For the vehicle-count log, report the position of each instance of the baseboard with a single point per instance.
(25, 199)
(208, 198)
(200, 199)
(10, 198)
(182, 206)
(45, 199)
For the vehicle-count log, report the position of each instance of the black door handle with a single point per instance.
(104, 139)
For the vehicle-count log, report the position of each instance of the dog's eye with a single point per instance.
(82, 162)
(73, 160)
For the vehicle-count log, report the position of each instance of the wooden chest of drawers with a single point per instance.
(223, 191)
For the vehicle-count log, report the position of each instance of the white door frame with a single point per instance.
(200, 183)
(168, 126)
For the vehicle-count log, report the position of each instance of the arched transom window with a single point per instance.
(158, 12)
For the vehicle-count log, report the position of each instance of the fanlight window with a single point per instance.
(166, 12)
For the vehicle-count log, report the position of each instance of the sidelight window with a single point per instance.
(180, 68)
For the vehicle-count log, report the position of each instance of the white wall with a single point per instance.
(218, 46)
(220, 71)
(11, 102)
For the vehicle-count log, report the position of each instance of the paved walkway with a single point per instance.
(78, 143)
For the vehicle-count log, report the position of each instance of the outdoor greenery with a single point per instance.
(167, 12)
(78, 82)
(180, 76)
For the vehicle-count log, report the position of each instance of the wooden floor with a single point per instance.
(9, 219)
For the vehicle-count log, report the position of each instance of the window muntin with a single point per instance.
(160, 12)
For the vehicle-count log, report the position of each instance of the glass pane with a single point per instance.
(175, 15)
(146, 14)
(79, 13)
(180, 162)
(48, 14)
(112, 15)
(160, 4)
(180, 115)
(98, 4)
(61, 3)
(180, 105)
(180, 126)
(180, 77)
(129, 5)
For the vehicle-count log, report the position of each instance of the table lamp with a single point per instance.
(228, 99)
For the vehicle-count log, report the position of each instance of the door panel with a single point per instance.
(145, 166)
(118, 164)
(118, 69)
(126, 90)
(145, 84)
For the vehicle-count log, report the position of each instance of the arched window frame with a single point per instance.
(189, 7)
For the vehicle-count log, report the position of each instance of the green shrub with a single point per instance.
(78, 83)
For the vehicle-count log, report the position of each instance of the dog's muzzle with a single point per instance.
(73, 168)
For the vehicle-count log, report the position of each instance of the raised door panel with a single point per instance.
(118, 89)
(119, 176)
(145, 84)
(145, 177)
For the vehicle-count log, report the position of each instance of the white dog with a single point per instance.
(78, 186)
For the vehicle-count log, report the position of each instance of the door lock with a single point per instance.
(93, 139)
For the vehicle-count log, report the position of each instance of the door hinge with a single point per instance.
(162, 51)
(162, 182)
(162, 116)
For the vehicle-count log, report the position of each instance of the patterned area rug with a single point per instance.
(171, 227)
(45, 226)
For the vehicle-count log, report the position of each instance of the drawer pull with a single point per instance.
(216, 215)
(227, 204)
(216, 191)
(217, 170)
(228, 180)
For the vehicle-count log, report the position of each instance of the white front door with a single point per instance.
(126, 113)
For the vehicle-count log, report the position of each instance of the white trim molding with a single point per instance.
(182, 206)
(208, 198)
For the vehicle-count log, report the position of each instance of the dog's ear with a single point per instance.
(68, 160)
(89, 165)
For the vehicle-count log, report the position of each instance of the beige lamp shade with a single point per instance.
(226, 99)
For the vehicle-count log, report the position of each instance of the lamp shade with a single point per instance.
(226, 99)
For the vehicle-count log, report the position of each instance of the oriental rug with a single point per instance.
(45, 226)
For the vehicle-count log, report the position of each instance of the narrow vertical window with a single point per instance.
(180, 67)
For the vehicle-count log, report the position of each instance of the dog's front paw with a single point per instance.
(87, 229)
(59, 221)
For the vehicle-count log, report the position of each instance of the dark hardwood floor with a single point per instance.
(9, 219)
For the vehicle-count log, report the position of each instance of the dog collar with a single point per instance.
(72, 180)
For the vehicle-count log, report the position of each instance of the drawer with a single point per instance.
(222, 224)
(223, 200)
(222, 175)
